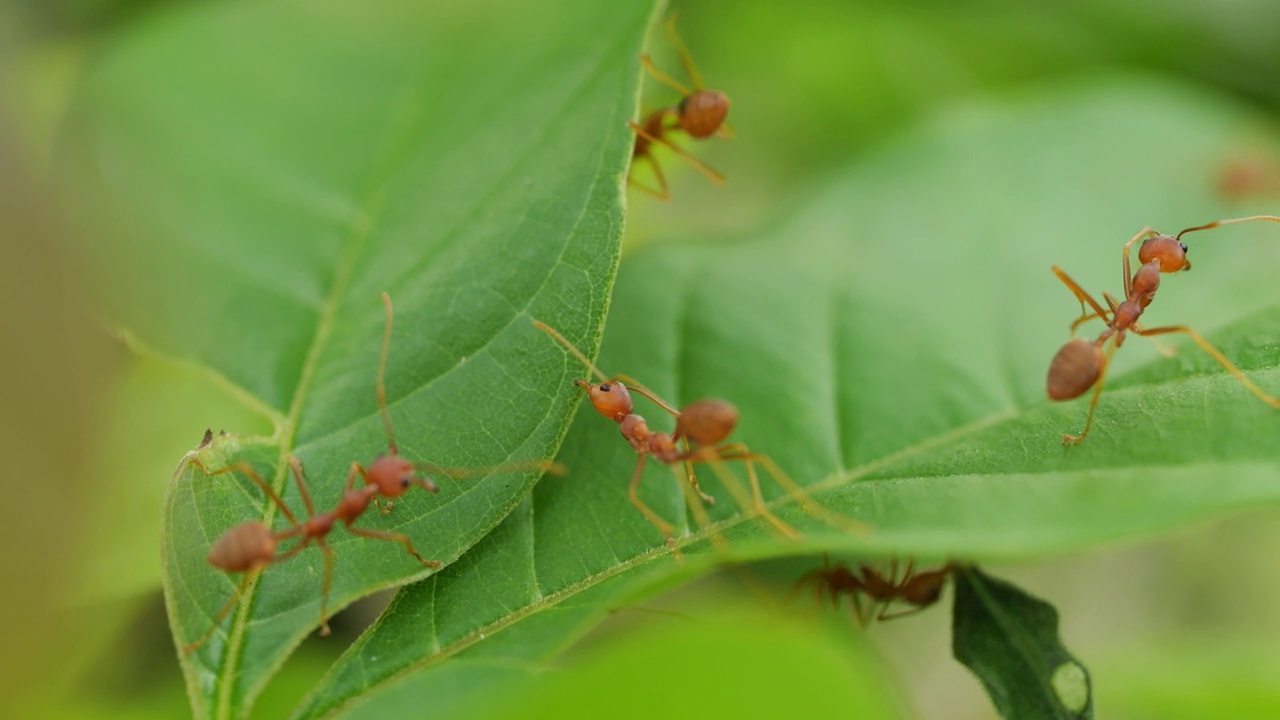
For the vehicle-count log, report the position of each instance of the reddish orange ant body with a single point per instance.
(1081, 364)
(1247, 177)
(251, 546)
(917, 589)
(701, 427)
(700, 114)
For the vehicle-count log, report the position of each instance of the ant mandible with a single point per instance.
(700, 114)
(1081, 364)
(705, 424)
(251, 546)
(917, 589)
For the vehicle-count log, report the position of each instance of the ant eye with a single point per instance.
(406, 481)
(605, 387)
(1184, 247)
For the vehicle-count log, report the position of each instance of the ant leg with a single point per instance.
(806, 501)
(328, 584)
(1085, 316)
(1079, 292)
(1217, 355)
(861, 611)
(886, 615)
(691, 477)
(712, 175)
(1093, 402)
(1163, 349)
(685, 58)
(667, 530)
(295, 466)
(663, 194)
(1128, 276)
(394, 537)
(253, 475)
(222, 614)
(700, 516)
(662, 77)
(758, 503)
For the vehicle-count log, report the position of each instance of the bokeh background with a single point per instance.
(1184, 627)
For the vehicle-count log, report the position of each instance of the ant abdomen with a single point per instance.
(1074, 369)
(707, 422)
(243, 547)
(702, 113)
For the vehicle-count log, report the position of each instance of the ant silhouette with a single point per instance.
(1082, 364)
(700, 114)
(700, 427)
(251, 546)
(919, 590)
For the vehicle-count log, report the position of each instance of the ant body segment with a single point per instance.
(251, 546)
(700, 114)
(701, 427)
(917, 589)
(1082, 364)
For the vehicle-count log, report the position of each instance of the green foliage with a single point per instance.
(886, 341)
(1010, 640)
(266, 193)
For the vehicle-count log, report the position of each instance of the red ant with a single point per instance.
(920, 590)
(1247, 177)
(700, 114)
(705, 424)
(1082, 364)
(251, 546)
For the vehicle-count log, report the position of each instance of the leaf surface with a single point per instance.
(1010, 640)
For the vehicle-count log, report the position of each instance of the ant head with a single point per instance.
(243, 547)
(703, 112)
(393, 475)
(707, 422)
(610, 398)
(1169, 250)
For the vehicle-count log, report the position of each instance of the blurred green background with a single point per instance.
(1181, 628)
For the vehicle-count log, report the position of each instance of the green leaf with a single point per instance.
(1009, 639)
(256, 174)
(887, 345)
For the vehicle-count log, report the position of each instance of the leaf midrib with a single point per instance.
(360, 228)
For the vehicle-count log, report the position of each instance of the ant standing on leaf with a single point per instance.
(700, 427)
(919, 590)
(700, 114)
(1082, 364)
(251, 546)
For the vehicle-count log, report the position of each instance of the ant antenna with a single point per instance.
(662, 77)
(382, 373)
(685, 58)
(576, 352)
(1220, 223)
